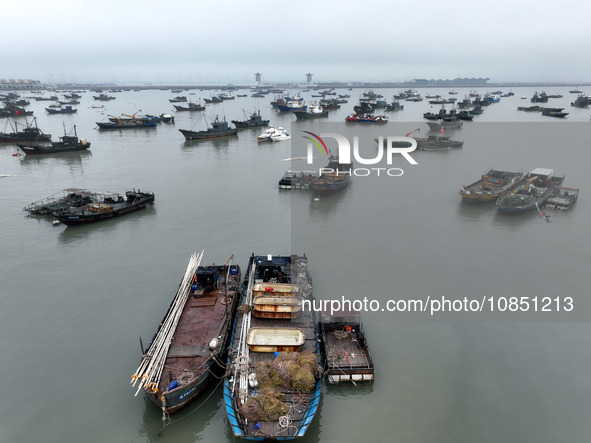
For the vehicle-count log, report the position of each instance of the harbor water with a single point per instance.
(76, 300)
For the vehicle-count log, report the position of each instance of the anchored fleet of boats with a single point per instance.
(259, 335)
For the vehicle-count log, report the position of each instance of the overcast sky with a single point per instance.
(227, 42)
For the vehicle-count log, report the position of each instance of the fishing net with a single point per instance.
(268, 405)
(293, 371)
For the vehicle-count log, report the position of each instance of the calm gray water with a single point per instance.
(75, 300)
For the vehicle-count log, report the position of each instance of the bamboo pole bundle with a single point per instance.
(244, 355)
(152, 364)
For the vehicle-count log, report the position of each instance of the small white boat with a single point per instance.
(273, 134)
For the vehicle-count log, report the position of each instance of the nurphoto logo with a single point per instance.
(388, 147)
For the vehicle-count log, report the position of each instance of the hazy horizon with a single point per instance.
(201, 43)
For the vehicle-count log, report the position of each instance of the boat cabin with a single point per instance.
(544, 176)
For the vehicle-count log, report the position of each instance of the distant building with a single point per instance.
(451, 82)
(20, 84)
(308, 83)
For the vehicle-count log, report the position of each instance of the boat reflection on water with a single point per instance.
(74, 160)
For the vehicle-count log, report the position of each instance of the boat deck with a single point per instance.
(202, 320)
(302, 405)
(347, 356)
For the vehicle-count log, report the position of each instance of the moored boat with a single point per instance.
(345, 345)
(112, 205)
(490, 186)
(190, 107)
(70, 197)
(126, 123)
(62, 110)
(103, 97)
(67, 143)
(445, 123)
(531, 193)
(27, 134)
(563, 198)
(335, 177)
(218, 129)
(273, 134)
(297, 179)
(191, 343)
(259, 405)
(254, 120)
(557, 114)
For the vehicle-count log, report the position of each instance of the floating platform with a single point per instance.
(347, 355)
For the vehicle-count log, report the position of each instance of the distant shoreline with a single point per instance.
(327, 85)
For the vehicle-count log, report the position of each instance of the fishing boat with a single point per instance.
(191, 343)
(394, 106)
(218, 129)
(167, 118)
(273, 134)
(214, 99)
(27, 134)
(491, 185)
(131, 122)
(437, 143)
(531, 193)
(67, 143)
(178, 99)
(582, 101)
(260, 405)
(14, 111)
(70, 197)
(296, 104)
(111, 205)
(226, 96)
(366, 118)
(335, 177)
(62, 110)
(557, 114)
(313, 110)
(297, 179)
(563, 198)
(254, 120)
(190, 107)
(103, 97)
(345, 345)
(539, 98)
(51, 98)
(445, 123)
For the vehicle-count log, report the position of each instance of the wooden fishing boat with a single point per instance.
(63, 110)
(531, 193)
(492, 184)
(219, 128)
(112, 205)
(260, 406)
(563, 198)
(66, 143)
(27, 134)
(253, 121)
(190, 107)
(70, 197)
(191, 342)
(335, 178)
(347, 354)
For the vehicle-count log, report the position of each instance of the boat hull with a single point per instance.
(203, 135)
(74, 217)
(35, 150)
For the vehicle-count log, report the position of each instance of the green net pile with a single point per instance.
(292, 371)
(268, 405)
